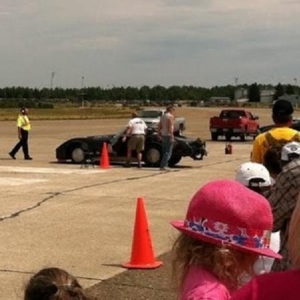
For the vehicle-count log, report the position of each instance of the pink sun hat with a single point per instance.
(224, 212)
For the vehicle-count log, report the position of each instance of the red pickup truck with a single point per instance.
(234, 123)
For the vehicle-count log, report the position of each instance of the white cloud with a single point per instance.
(203, 42)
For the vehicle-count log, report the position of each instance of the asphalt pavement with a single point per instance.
(138, 284)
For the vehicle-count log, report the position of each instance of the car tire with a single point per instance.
(214, 136)
(228, 137)
(77, 155)
(153, 155)
(243, 137)
(174, 160)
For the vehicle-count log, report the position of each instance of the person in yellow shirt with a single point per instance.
(24, 126)
(282, 115)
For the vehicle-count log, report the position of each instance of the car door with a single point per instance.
(252, 126)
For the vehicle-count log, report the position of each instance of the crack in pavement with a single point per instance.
(56, 194)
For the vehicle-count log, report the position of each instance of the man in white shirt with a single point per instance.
(136, 130)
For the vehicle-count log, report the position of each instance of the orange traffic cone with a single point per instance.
(104, 160)
(142, 256)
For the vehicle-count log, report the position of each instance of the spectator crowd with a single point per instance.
(240, 239)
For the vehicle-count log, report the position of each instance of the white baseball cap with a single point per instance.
(252, 174)
(290, 150)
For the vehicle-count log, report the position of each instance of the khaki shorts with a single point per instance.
(136, 142)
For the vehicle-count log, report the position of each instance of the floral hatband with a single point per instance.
(245, 237)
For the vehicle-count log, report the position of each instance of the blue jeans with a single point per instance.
(167, 147)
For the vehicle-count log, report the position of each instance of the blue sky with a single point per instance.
(139, 42)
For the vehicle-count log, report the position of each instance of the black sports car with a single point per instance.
(78, 149)
(295, 125)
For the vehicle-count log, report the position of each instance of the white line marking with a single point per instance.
(19, 181)
(83, 171)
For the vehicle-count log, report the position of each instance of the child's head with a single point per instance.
(227, 226)
(254, 176)
(54, 284)
(294, 237)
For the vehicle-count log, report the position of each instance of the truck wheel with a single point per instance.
(228, 137)
(243, 137)
(214, 136)
(174, 160)
(153, 155)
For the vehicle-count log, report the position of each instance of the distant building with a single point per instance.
(240, 93)
(267, 96)
(219, 100)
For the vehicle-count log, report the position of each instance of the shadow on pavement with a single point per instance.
(138, 284)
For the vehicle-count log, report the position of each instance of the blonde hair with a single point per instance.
(227, 264)
(294, 236)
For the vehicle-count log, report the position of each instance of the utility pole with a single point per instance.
(82, 93)
(51, 83)
(82, 82)
(51, 80)
(236, 80)
(235, 90)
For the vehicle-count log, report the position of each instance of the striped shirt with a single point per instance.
(283, 199)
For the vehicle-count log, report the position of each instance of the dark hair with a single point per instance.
(272, 163)
(54, 284)
(282, 119)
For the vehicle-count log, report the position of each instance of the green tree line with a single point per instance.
(144, 93)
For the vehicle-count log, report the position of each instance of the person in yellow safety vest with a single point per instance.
(24, 126)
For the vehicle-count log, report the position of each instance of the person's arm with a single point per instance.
(171, 126)
(256, 154)
(19, 133)
(19, 126)
(159, 128)
(127, 131)
(145, 128)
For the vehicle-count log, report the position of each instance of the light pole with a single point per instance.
(51, 83)
(236, 80)
(51, 80)
(82, 82)
(236, 90)
(82, 94)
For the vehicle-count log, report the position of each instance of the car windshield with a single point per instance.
(150, 114)
(232, 114)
